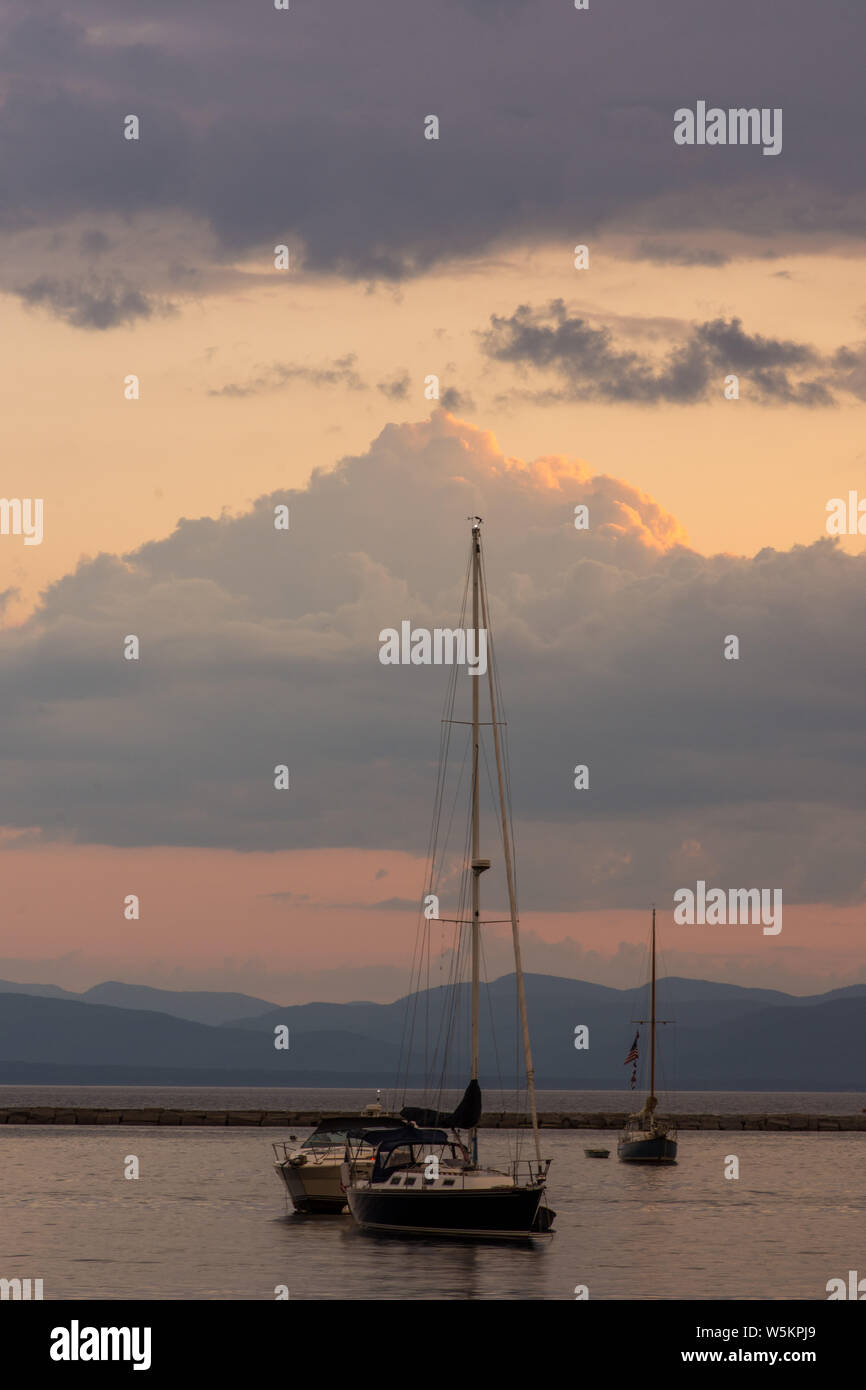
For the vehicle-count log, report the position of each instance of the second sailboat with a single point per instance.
(645, 1138)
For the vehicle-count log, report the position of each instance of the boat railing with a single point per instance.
(286, 1149)
(645, 1124)
(529, 1170)
(357, 1158)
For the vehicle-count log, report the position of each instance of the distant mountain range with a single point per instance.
(725, 1037)
(199, 1006)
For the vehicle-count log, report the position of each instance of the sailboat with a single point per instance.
(646, 1139)
(426, 1176)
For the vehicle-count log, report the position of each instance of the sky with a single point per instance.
(604, 384)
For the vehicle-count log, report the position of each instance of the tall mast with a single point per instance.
(653, 1014)
(512, 897)
(476, 863)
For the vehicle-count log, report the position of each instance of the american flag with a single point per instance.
(632, 1053)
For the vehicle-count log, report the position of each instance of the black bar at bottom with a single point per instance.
(251, 1339)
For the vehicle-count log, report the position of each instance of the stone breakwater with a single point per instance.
(286, 1119)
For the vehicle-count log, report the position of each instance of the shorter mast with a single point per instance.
(653, 1014)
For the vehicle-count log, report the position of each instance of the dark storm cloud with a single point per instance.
(308, 124)
(85, 306)
(259, 647)
(728, 343)
(667, 253)
(594, 367)
(93, 242)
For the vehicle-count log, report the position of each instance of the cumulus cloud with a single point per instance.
(594, 365)
(259, 647)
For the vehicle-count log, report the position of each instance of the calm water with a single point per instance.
(207, 1218)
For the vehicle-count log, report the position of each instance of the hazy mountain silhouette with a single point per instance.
(200, 1006)
(724, 1037)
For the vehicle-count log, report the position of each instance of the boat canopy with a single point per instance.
(405, 1134)
(407, 1137)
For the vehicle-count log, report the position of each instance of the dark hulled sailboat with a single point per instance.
(645, 1139)
(426, 1177)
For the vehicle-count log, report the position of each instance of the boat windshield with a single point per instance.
(337, 1129)
(325, 1138)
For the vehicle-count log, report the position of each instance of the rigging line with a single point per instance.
(441, 794)
(483, 750)
(402, 1069)
(437, 851)
(411, 1008)
(448, 1014)
(445, 740)
(669, 1073)
(431, 1087)
(497, 1060)
(640, 975)
(422, 932)
(447, 1017)
(503, 740)
(504, 748)
(452, 1040)
(519, 1090)
(454, 804)
(438, 1076)
(642, 989)
(444, 1006)
(441, 787)
(426, 995)
(450, 1031)
(507, 838)
(482, 723)
(409, 1019)
(447, 841)
(519, 1100)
